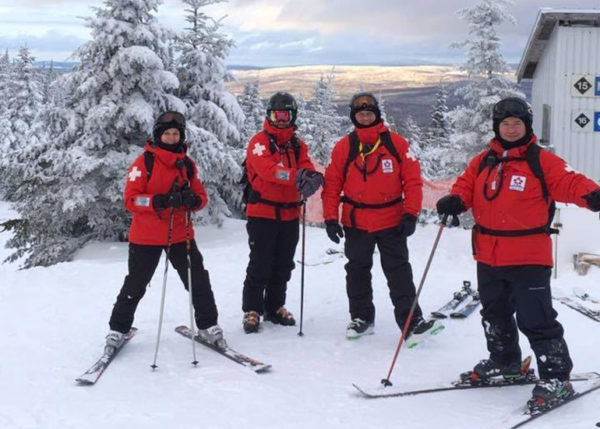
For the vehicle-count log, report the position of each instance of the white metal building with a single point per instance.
(562, 57)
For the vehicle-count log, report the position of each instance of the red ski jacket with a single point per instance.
(271, 167)
(378, 179)
(149, 226)
(519, 204)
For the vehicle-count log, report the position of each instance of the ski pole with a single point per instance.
(188, 224)
(164, 286)
(300, 333)
(557, 224)
(188, 251)
(386, 381)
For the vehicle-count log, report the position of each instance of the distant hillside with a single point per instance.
(407, 90)
(57, 66)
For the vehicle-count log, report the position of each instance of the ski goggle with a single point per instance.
(512, 107)
(280, 116)
(174, 118)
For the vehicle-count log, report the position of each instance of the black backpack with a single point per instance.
(532, 157)
(248, 194)
(149, 163)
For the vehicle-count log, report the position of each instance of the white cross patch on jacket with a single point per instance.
(258, 149)
(134, 174)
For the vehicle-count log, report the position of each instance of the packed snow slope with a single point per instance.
(54, 320)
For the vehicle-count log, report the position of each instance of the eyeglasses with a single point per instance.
(280, 116)
(512, 107)
(171, 117)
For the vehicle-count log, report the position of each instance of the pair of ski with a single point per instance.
(460, 298)
(578, 304)
(331, 255)
(94, 373)
(527, 378)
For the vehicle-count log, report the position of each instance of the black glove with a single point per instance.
(593, 200)
(162, 201)
(450, 205)
(408, 225)
(334, 230)
(190, 200)
(308, 181)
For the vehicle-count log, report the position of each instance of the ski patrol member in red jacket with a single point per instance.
(377, 179)
(159, 203)
(513, 205)
(280, 177)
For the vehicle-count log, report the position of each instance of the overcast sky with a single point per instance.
(290, 32)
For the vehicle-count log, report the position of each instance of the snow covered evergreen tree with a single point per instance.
(486, 67)
(254, 111)
(214, 115)
(389, 120)
(4, 72)
(418, 145)
(325, 125)
(439, 126)
(24, 99)
(438, 150)
(115, 93)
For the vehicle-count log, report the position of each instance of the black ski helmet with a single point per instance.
(282, 101)
(167, 120)
(512, 107)
(364, 101)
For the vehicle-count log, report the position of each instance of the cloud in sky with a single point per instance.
(269, 32)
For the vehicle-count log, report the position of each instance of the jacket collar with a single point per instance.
(166, 157)
(370, 134)
(282, 135)
(518, 151)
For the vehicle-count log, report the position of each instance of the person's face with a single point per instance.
(512, 129)
(365, 117)
(170, 136)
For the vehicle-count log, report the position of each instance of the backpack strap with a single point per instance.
(189, 166)
(386, 141)
(149, 163)
(295, 142)
(532, 156)
(488, 160)
(353, 149)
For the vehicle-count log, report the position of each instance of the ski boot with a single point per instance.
(488, 372)
(357, 328)
(281, 317)
(420, 326)
(251, 322)
(115, 339)
(214, 336)
(549, 392)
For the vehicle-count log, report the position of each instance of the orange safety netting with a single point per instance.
(432, 191)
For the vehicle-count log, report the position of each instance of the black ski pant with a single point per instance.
(143, 260)
(359, 247)
(272, 248)
(524, 289)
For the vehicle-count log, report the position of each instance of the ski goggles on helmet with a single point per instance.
(364, 103)
(172, 118)
(512, 107)
(280, 116)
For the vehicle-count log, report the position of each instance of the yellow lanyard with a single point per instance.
(373, 149)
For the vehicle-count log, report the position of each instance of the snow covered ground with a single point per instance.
(54, 320)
